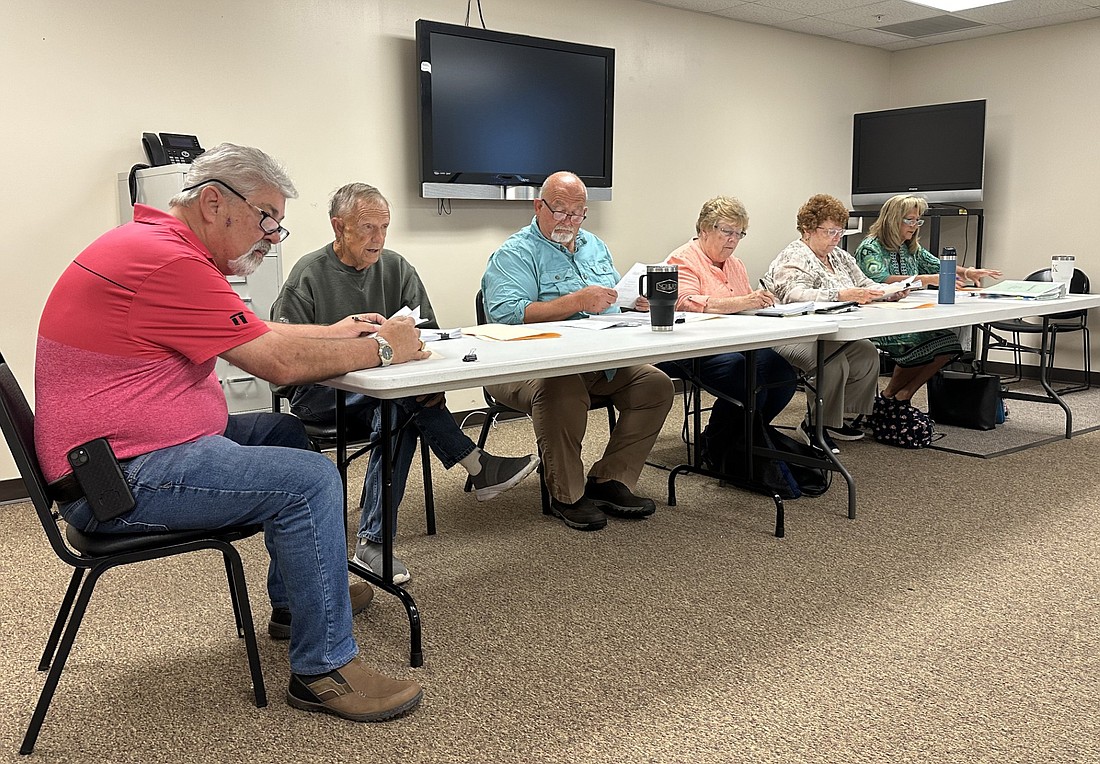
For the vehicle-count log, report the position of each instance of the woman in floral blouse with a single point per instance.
(814, 268)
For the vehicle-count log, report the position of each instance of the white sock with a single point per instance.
(472, 462)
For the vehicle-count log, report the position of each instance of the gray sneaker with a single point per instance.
(369, 555)
(499, 473)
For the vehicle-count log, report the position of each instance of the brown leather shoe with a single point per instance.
(361, 595)
(355, 692)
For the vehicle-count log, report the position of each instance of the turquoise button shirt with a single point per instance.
(529, 268)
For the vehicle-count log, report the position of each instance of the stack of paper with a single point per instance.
(913, 282)
(784, 309)
(1025, 290)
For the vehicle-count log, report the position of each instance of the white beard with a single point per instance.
(562, 235)
(246, 264)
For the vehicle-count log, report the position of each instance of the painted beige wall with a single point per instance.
(703, 106)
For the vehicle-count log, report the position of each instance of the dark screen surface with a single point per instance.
(508, 109)
(924, 148)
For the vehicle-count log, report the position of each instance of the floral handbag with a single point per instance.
(898, 423)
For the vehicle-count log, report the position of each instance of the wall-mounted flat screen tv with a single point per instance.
(500, 112)
(935, 151)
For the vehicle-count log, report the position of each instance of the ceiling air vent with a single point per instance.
(930, 26)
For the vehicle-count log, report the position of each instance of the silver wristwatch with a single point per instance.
(385, 350)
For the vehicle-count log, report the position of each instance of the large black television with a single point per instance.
(935, 151)
(500, 112)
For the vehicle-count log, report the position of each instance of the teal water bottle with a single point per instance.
(947, 276)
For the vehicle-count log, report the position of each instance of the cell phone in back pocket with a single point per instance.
(100, 477)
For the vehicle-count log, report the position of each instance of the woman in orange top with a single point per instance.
(712, 280)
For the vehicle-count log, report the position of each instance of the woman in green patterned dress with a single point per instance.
(892, 252)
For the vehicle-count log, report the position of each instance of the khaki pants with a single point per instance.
(850, 378)
(559, 411)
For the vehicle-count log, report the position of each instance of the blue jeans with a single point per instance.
(726, 373)
(260, 471)
(317, 403)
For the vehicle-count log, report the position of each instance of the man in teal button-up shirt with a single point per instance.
(552, 271)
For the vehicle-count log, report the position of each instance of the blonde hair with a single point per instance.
(722, 208)
(887, 228)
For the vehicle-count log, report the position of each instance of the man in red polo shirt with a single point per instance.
(126, 350)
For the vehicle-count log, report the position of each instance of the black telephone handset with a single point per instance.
(170, 148)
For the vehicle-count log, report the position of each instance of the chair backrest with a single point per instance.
(479, 307)
(17, 422)
(1079, 284)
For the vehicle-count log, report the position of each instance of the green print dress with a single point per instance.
(914, 348)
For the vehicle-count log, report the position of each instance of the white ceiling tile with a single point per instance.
(817, 26)
(1018, 11)
(758, 14)
(868, 37)
(881, 14)
(1054, 18)
(703, 6)
(816, 7)
(856, 20)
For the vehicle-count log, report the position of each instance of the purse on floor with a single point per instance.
(898, 423)
(966, 399)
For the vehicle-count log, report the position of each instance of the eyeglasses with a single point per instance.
(831, 232)
(269, 225)
(561, 215)
(918, 222)
(730, 233)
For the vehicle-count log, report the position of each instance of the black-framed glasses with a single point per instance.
(730, 233)
(269, 225)
(560, 215)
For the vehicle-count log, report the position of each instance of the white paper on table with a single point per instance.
(628, 286)
(913, 282)
(414, 312)
(605, 321)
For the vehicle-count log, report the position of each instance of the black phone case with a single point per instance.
(100, 477)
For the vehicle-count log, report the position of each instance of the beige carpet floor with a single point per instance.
(957, 619)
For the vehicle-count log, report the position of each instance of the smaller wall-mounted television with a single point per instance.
(935, 151)
(500, 112)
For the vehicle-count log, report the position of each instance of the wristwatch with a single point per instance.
(385, 350)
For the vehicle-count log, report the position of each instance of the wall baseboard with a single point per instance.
(12, 490)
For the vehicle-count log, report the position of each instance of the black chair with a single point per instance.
(324, 436)
(1008, 335)
(95, 553)
(495, 409)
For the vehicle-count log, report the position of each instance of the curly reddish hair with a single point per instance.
(819, 208)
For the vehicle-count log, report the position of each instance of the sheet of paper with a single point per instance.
(690, 317)
(782, 309)
(509, 332)
(606, 321)
(913, 282)
(628, 286)
(434, 335)
(901, 305)
(414, 312)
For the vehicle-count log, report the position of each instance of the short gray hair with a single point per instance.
(346, 197)
(246, 169)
